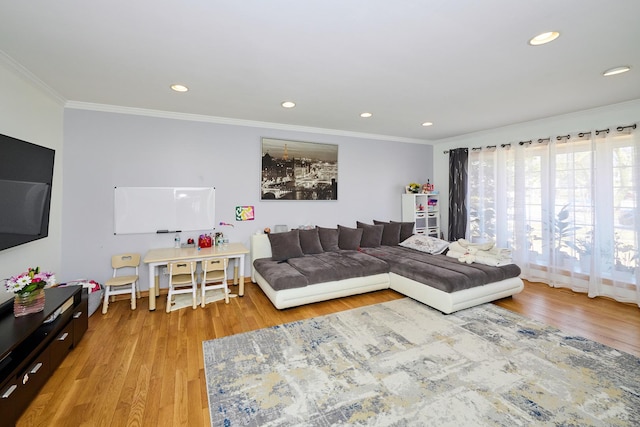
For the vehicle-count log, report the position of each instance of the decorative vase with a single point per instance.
(28, 303)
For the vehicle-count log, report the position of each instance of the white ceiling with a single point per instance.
(464, 65)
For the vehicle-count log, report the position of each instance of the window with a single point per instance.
(567, 207)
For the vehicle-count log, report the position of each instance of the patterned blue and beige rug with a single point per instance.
(401, 363)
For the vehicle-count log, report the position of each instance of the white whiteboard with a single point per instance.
(168, 209)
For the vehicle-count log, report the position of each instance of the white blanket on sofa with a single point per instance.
(483, 253)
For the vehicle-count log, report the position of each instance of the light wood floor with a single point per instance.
(146, 368)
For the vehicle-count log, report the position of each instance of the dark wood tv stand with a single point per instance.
(31, 350)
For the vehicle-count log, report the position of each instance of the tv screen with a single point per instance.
(26, 174)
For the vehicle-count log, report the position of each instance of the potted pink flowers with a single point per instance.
(28, 289)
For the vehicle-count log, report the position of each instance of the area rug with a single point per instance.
(185, 300)
(402, 363)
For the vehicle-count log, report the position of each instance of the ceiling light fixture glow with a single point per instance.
(616, 70)
(366, 115)
(179, 88)
(288, 104)
(544, 38)
(425, 124)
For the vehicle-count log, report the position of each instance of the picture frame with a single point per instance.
(297, 170)
(245, 213)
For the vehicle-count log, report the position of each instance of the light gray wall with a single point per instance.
(598, 118)
(104, 150)
(29, 113)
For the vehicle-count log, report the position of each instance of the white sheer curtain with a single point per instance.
(567, 206)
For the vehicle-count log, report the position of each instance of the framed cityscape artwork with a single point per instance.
(295, 170)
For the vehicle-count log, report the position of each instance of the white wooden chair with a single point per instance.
(182, 281)
(122, 283)
(214, 270)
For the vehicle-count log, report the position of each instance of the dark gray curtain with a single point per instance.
(457, 193)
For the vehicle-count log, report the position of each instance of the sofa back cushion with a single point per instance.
(371, 234)
(391, 233)
(328, 239)
(406, 229)
(310, 241)
(285, 245)
(349, 238)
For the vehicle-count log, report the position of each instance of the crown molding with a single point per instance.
(234, 122)
(30, 78)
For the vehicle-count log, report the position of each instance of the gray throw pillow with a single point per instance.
(349, 238)
(391, 233)
(310, 241)
(371, 234)
(406, 229)
(285, 245)
(328, 239)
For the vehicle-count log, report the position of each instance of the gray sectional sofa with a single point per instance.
(305, 266)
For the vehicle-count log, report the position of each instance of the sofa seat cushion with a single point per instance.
(280, 274)
(333, 266)
(318, 268)
(439, 271)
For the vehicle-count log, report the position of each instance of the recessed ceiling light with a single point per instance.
(544, 38)
(288, 104)
(425, 124)
(179, 88)
(366, 115)
(616, 70)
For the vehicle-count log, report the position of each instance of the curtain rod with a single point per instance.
(540, 141)
(559, 138)
(621, 128)
(480, 148)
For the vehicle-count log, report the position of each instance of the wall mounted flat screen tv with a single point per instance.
(26, 175)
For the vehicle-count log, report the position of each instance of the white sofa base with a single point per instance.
(321, 291)
(449, 302)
